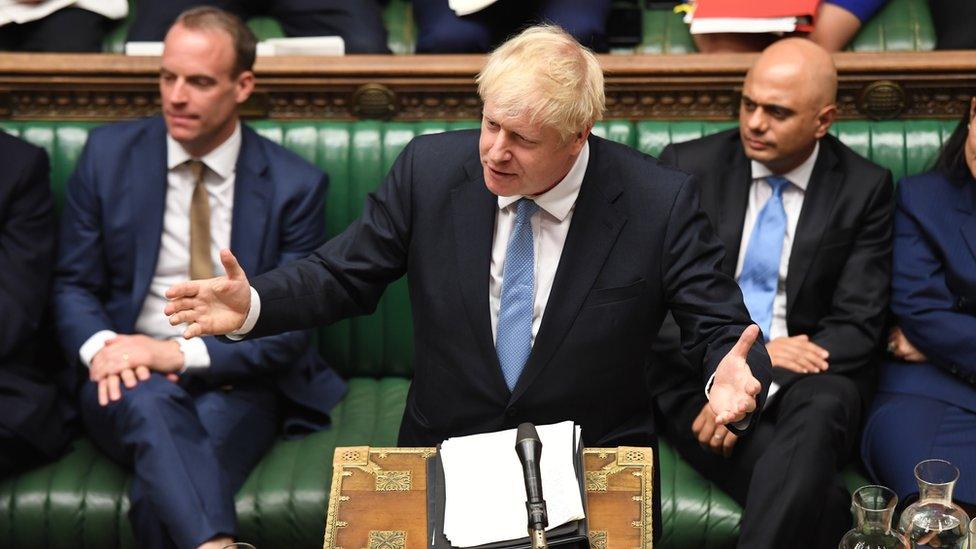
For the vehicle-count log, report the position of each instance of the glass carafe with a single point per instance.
(873, 508)
(933, 520)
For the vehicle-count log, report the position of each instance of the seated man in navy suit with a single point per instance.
(151, 202)
(32, 429)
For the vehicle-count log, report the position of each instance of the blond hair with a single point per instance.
(545, 73)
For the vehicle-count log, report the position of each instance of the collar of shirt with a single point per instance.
(559, 200)
(222, 160)
(799, 176)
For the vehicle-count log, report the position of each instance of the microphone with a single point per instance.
(529, 450)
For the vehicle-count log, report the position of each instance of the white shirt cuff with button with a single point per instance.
(195, 354)
(250, 320)
(93, 344)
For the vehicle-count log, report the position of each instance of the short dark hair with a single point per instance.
(952, 158)
(211, 18)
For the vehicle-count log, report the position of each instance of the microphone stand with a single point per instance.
(529, 450)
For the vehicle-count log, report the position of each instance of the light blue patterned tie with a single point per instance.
(760, 268)
(513, 339)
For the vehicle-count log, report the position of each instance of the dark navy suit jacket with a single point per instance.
(638, 246)
(110, 238)
(30, 406)
(933, 290)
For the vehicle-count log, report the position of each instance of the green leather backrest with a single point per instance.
(902, 25)
(357, 155)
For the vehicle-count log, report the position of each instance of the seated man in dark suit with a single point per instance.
(358, 22)
(149, 203)
(806, 223)
(32, 426)
(538, 257)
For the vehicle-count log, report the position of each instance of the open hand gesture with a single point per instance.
(734, 390)
(214, 306)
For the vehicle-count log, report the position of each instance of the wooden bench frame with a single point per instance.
(105, 87)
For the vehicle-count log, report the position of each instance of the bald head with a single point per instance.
(803, 65)
(787, 103)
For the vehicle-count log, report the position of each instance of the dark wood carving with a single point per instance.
(109, 87)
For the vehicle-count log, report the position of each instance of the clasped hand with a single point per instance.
(129, 359)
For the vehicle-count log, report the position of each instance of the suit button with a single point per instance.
(511, 412)
(953, 368)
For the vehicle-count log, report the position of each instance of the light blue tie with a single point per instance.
(513, 339)
(760, 268)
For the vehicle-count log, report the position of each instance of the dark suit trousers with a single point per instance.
(440, 30)
(190, 451)
(784, 473)
(358, 22)
(66, 30)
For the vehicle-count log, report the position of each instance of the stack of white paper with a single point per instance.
(467, 7)
(302, 45)
(485, 488)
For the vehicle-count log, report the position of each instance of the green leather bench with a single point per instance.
(81, 501)
(902, 25)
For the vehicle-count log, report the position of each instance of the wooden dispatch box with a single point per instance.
(378, 498)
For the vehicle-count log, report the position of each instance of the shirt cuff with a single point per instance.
(195, 354)
(94, 344)
(743, 423)
(250, 320)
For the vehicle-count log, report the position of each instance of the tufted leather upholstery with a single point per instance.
(902, 25)
(81, 501)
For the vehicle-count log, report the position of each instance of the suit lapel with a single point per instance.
(818, 204)
(473, 209)
(252, 193)
(594, 228)
(734, 199)
(967, 206)
(146, 176)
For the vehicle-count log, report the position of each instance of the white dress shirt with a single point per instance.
(19, 12)
(550, 225)
(173, 264)
(793, 194)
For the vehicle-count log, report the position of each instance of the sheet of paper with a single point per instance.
(707, 25)
(485, 489)
(19, 12)
(466, 7)
(306, 45)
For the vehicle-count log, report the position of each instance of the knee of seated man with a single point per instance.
(832, 397)
(148, 398)
(452, 38)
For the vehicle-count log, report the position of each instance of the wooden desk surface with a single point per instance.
(378, 498)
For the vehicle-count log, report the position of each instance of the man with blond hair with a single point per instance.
(539, 258)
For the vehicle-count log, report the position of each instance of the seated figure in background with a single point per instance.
(32, 425)
(806, 224)
(926, 402)
(58, 26)
(358, 22)
(149, 203)
(441, 30)
(836, 24)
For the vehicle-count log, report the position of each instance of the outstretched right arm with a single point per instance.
(344, 277)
